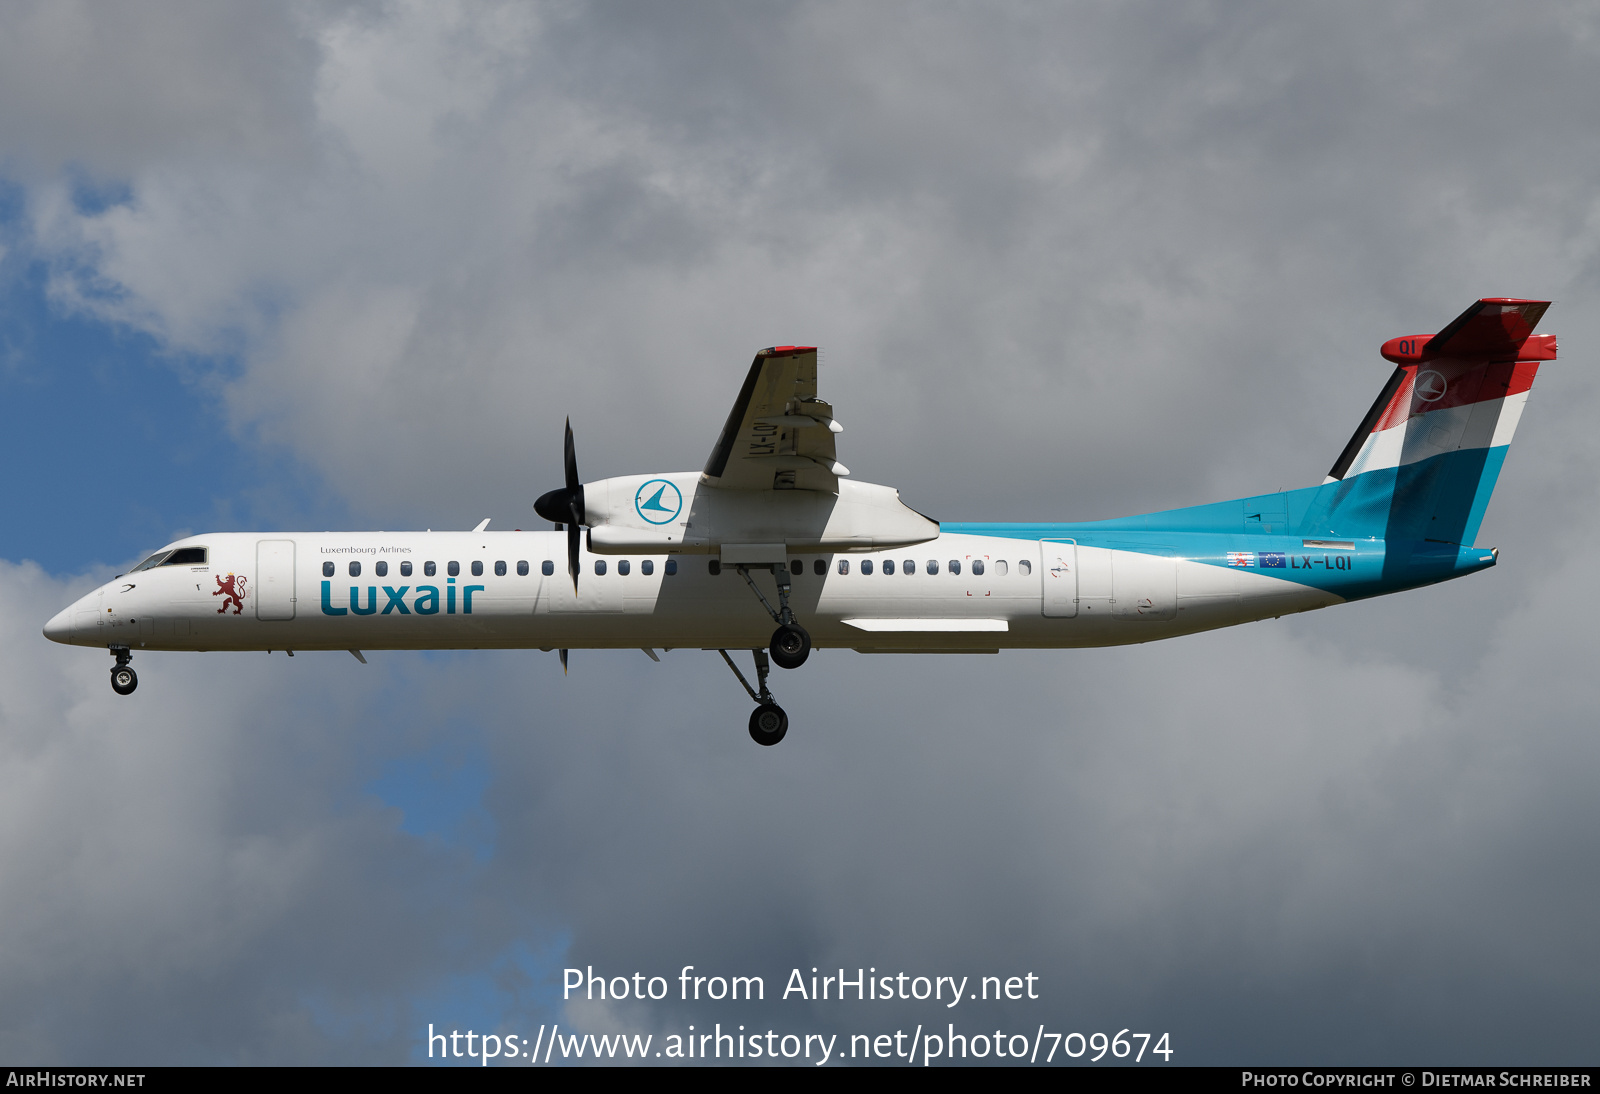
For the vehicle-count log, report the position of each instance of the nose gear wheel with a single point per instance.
(123, 678)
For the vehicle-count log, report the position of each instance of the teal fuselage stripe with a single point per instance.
(1407, 525)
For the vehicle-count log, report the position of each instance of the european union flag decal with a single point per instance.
(1272, 558)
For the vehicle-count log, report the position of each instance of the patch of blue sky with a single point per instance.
(92, 196)
(440, 796)
(113, 446)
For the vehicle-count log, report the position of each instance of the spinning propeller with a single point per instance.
(565, 506)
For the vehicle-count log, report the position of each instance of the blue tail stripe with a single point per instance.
(1480, 500)
(1409, 526)
(1441, 498)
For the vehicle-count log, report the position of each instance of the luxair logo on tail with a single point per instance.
(658, 501)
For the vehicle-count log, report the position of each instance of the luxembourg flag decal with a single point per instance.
(1241, 558)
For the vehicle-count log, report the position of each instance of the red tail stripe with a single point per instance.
(1465, 383)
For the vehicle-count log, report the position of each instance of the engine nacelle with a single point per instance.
(676, 514)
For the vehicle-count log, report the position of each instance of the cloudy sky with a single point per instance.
(322, 266)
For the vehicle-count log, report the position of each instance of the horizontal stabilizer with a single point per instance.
(1495, 328)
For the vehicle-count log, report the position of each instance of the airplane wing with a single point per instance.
(779, 435)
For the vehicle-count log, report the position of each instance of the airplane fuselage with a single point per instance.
(986, 588)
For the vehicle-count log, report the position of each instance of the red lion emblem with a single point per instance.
(233, 587)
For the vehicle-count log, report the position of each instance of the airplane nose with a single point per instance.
(59, 629)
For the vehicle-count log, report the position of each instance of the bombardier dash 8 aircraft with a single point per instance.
(772, 548)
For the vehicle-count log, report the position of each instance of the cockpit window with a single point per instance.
(183, 556)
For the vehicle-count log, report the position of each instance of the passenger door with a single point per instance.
(1059, 576)
(275, 597)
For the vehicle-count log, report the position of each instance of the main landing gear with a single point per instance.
(768, 722)
(790, 647)
(123, 678)
(791, 644)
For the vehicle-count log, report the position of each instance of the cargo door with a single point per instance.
(275, 579)
(1059, 576)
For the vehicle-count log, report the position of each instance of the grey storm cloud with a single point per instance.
(1064, 262)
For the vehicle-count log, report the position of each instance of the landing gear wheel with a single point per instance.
(791, 645)
(768, 724)
(123, 680)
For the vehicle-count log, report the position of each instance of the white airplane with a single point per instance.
(772, 548)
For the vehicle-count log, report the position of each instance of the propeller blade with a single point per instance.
(564, 506)
(571, 453)
(574, 540)
(563, 662)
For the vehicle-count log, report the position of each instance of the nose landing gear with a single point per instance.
(768, 722)
(123, 678)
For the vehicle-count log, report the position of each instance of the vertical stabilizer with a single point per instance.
(1425, 459)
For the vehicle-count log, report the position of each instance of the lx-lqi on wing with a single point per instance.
(771, 547)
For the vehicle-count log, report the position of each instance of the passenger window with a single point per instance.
(977, 567)
(522, 568)
(186, 556)
(933, 565)
(955, 565)
(381, 569)
(429, 569)
(453, 569)
(844, 565)
(672, 566)
(327, 569)
(819, 567)
(547, 567)
(1000, 567)
(623, 568)
(355, 569)
(477, 568)
(796, 567)
(1024, 567)
(908, 567)
(866, 566)
(714, 566)
(499, 569)
(647, 567)
(600, 567)
(405, 569)
(155, 560)
(888, 565)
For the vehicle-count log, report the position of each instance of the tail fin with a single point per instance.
(1425, 459)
